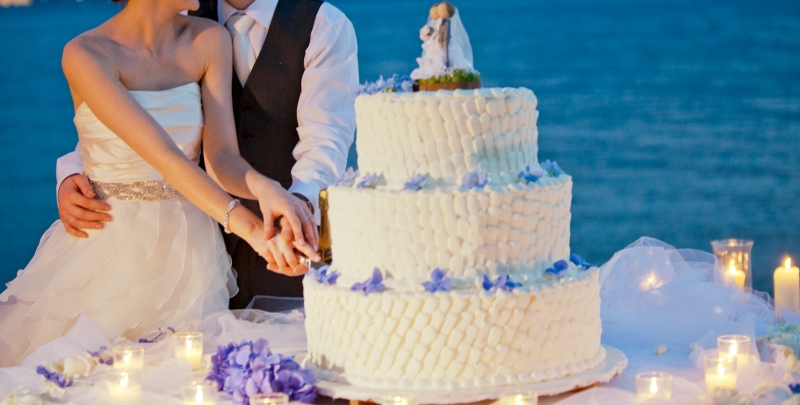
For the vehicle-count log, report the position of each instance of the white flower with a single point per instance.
(661, 350)
(52, 389)
(21, 396)
(79, 366)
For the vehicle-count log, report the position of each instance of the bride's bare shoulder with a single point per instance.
(90, 46)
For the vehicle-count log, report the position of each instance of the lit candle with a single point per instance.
(190, 347)
(519, 398)
(654, 385)
(787, 287)
(650, 282)
(720, 372)
(736, 276)
(199, 393)
(124, 386)
(735, 345)
(269, 398)
(128, 357)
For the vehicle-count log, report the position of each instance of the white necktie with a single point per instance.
(244, 56)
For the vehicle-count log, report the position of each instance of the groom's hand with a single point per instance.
(77, 207)
(281, 256)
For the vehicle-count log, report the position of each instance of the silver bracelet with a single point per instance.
(226, 219)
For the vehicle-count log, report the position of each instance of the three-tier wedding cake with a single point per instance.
(451, 261)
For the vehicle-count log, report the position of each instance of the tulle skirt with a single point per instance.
(157, 264)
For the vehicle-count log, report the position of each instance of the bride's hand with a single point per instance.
(275, 203)
(281, 255)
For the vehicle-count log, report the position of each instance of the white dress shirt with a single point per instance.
(325, 113)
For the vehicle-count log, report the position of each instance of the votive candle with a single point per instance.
(128, 357)
(125, 386)
(654, 385)
(519, 398)
(199, 393)
(403, 399)
(720, 371)
(787, 287)
(190, 347)
(269, 398)
(735, 345)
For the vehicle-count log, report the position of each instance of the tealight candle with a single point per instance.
(518, 398)
(269, 398)
(190, 347)
(125, 386)
(734, 255)
(399, 400)
(128, 357)
(736, 276)
(720, 371)
(735, 345)
(787, 287)
(199, 393)
(653, 385)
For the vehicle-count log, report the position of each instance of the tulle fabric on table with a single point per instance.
(652, 295)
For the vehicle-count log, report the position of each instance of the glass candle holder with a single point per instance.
(518, 398)
(654, 385)
(199, 393)
(734, 254)
(190, 347)
(128, 357)
(720, 371)
(404, 399)
(269, 398)
(735, 345)
(125, 386)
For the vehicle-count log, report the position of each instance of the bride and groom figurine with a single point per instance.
(268, 99)
(445, 44)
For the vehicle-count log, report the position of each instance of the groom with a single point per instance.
(296, 73)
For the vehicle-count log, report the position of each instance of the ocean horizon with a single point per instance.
(678, 120)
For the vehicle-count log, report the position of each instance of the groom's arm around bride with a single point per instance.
(295, 76)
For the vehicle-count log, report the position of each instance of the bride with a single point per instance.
(142, 118)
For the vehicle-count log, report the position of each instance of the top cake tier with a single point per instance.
(447, 134)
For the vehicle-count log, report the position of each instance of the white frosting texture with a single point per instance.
(446, 134)
(406, 234)
(456, 339)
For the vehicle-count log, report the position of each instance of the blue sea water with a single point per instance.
(678, 119)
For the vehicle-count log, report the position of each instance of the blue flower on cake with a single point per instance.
(552, 169)
(438, 281)
(558, 268)
(416, 182)
(580, 261)
(531, 176)
(370, 180)
(502, 283)
(372, 284)
(394, 84)
(323, 277)
(250, 368)
(476, 179)
(347, 178)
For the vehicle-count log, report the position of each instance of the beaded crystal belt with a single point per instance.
(149, 190)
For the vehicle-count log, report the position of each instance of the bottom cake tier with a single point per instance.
(454, 339)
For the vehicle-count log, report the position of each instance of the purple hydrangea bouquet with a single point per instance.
(250, 368)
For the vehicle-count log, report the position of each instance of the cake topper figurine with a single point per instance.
(445, 44)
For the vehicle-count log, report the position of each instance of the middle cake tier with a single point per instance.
(507, 229)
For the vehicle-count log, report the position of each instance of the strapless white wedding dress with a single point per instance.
(160, 263)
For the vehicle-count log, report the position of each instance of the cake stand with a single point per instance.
(612, 366)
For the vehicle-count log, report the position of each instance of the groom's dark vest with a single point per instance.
(265, 109)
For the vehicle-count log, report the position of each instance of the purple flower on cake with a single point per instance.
(438, 281)
(323, 277)
(552, 169)
(372, 284)
(580, 261)
(394, 84)
(502, 283)
(558, 268)
(347, 178)
(250, 368)
(476, 179)
(531, 176)
(416, 182)
(370, 180)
